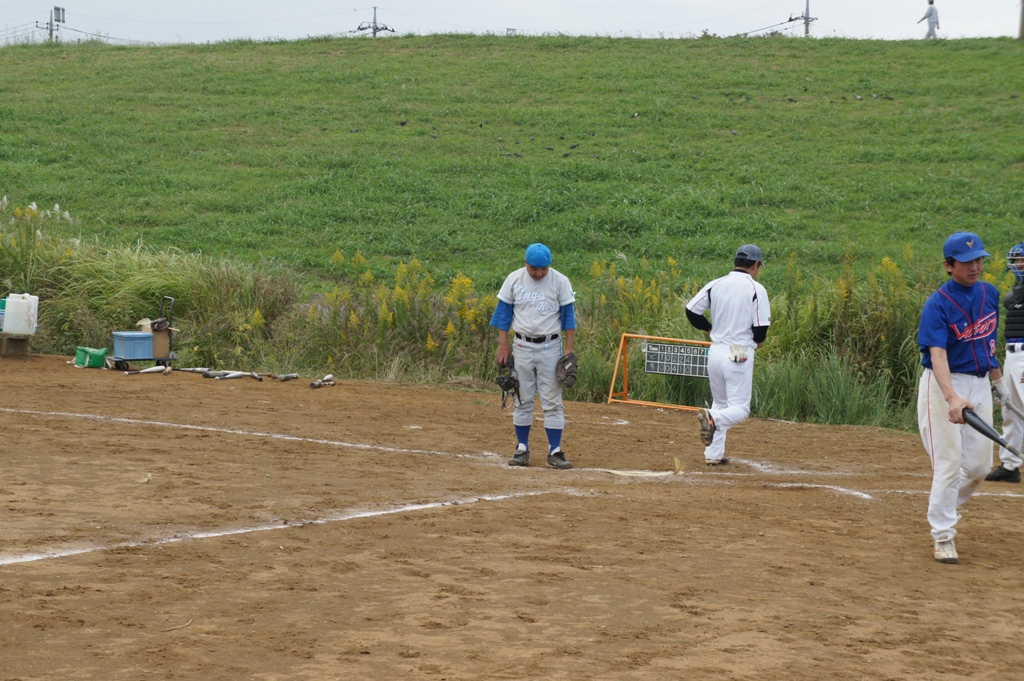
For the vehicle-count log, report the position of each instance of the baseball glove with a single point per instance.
(565, 371)
(508, 381)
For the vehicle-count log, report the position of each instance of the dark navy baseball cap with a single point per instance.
(538, 255)
(964, 247)
(750, 252)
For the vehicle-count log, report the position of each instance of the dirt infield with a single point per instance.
(184, 528)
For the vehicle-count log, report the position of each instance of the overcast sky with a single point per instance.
(201, 21)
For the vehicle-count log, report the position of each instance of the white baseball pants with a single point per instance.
(731, 385)
(1013, 426)
(535, 365)
(960, 455)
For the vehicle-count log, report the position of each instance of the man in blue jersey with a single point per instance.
(957, 338)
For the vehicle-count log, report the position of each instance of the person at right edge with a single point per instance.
(957, 338)
(740, 316)
(1013, 368)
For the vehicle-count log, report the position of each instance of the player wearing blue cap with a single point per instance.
(957, 338)
(1013, 370)
(740, 316)
(537, 301)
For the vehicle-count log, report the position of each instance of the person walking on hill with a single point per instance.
(740, 316)
(932, 15)
(957, 339)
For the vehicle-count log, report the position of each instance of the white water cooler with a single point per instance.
(21, 314)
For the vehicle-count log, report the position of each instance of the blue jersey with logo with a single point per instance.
(964, 320)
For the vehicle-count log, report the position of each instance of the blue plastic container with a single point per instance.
(133, 345)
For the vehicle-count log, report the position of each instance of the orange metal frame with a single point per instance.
(622, 359)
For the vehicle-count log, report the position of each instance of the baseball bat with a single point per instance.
(286, 377)
(151, 370)
(216, 374)
(232, 374)
(194, 370)
(972, 419)
(1007, 404)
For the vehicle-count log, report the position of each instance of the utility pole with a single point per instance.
(374, 27)
(56, 17)
(1021, 35)
(808, 19)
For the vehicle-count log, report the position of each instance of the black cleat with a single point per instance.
(556, 459)
(707, 427)
(1004, 474)
(521, 458)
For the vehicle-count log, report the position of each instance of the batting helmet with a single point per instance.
(1012, 256)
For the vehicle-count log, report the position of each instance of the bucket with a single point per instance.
(20, 314)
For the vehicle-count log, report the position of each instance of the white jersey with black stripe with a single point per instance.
(738, 303)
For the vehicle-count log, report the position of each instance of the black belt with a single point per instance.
(536, 339)
(977, 374)
(1014, 347)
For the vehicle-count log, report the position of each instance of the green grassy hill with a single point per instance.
(462, 149)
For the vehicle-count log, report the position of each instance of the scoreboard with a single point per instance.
(676, 359)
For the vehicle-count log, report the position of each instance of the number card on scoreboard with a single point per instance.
(676, 359)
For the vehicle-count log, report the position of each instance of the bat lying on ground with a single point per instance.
(238, 374)
(194, 370)
(321, 382)
(286, 377)
(972, 419)
(151, 370)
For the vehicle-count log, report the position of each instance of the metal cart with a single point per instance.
(166, 321)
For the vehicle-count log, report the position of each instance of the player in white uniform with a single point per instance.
(740, 316)
(538, 302)
(1008, 469)
(957, 338)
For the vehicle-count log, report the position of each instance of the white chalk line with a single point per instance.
(227, 431)
(193, 536)
(761, 467)
(667, 474)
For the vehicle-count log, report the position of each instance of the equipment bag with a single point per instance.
(90, 358)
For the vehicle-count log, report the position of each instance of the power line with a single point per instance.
(15, 28)
(214, 23)
(127, 41)
(16, 37)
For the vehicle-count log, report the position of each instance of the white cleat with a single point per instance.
(945, 552)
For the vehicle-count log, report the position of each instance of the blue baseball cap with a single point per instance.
(964, 247)
(750, 252)
(538, 255)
